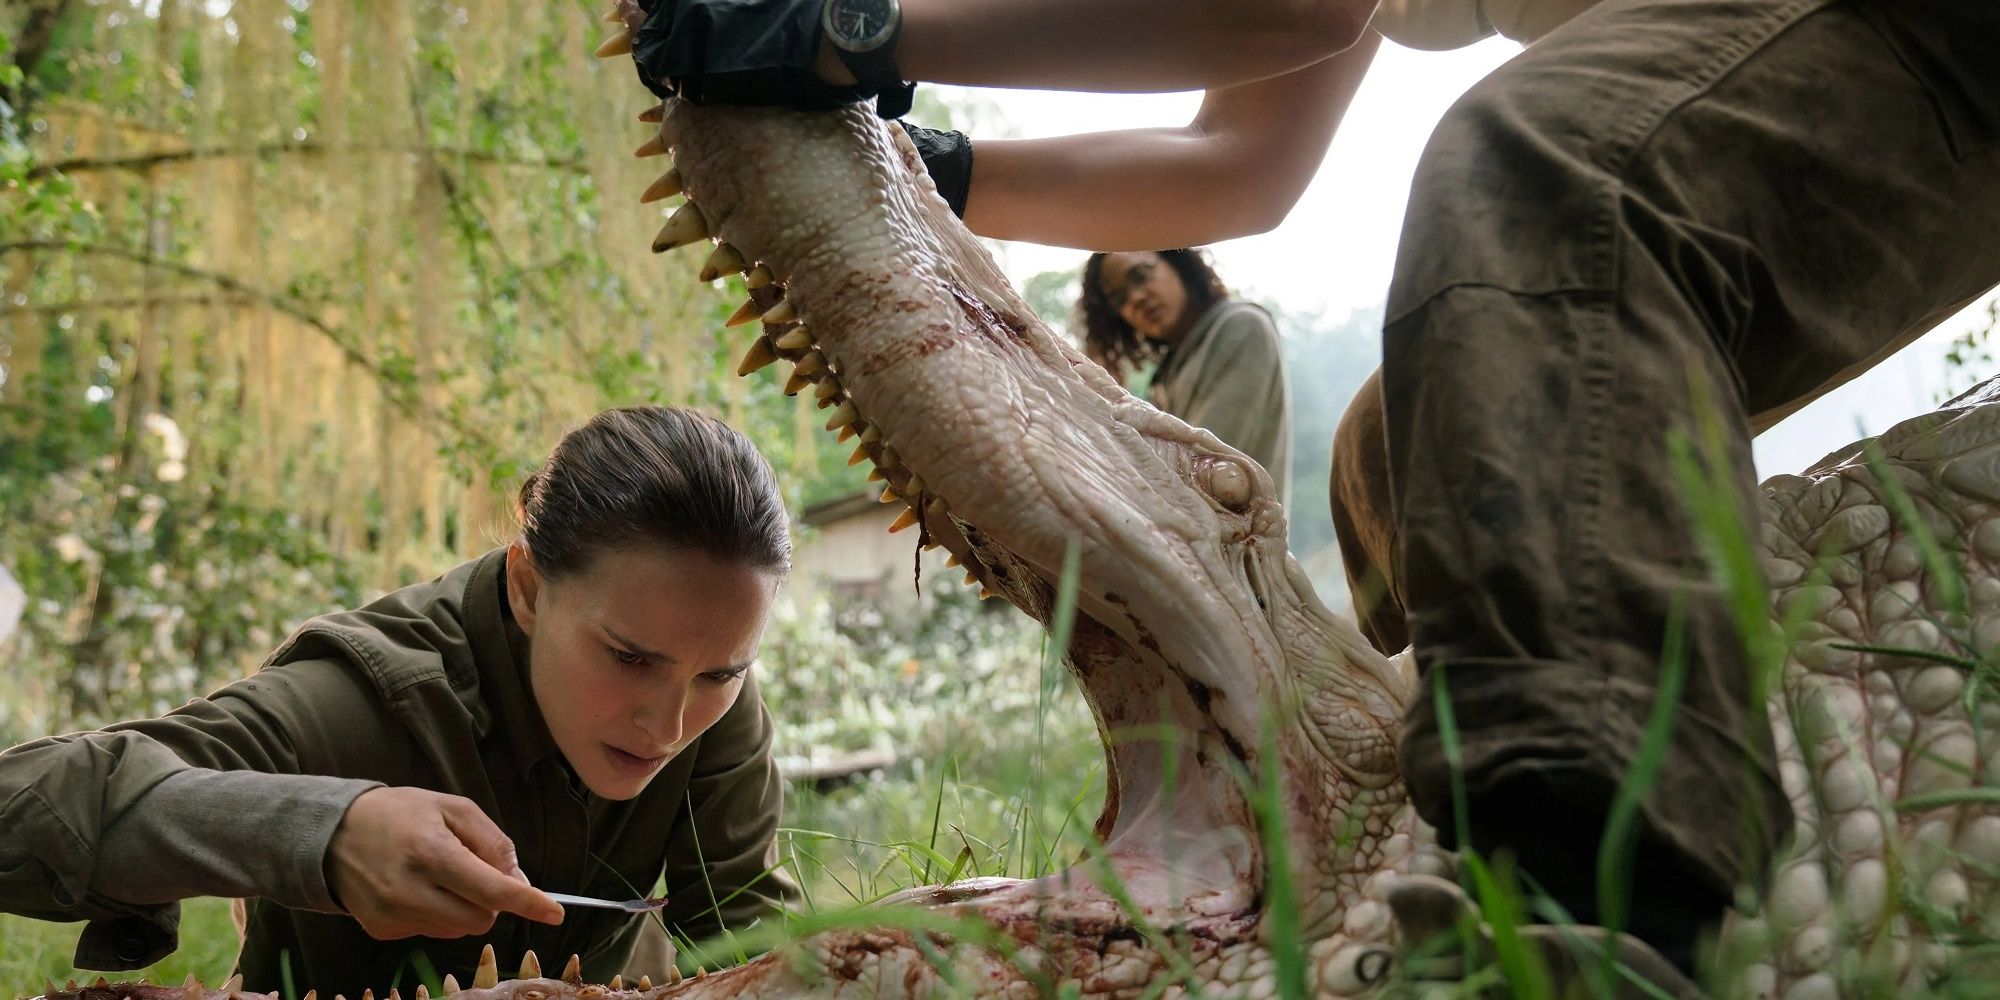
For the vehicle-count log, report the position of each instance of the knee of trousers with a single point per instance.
(1509, 193)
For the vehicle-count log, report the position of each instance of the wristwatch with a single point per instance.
(863, 33)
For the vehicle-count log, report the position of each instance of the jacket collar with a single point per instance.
(500, 649)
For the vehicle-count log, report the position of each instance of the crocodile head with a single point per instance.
(1214, 671)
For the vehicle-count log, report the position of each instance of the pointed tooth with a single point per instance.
(368, 993)
(875, 475)
(985, 594)
(744, 313)
(759, 355)
(936, 508)
(795, 339)
(914, 485)
(759, 276)
(889, 495)
(796, 384)
(683, 227)
(573, 971)
(102, 983)
(951, 561)
(450, 984)
(617, 45)
(617, 983)
(905, 519)
(890, 457)
(871, 434)
(673, 974)
(191, 989)
(230, 988)
(860, 455)
(645, 982)
(487, 975)
(972, 579)
(668, 185)
(69, 986)
(812, 364)
(845, 433)
(655, 146)
(847, 414)
(781, 313)
(724, 260)
(395, 993)
(314, 994)
(700, 971)
(829, 387)
(423, 992)
(530, 967)
(654, 114)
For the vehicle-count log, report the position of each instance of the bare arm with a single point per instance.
(1235, 170)
(1121, 45)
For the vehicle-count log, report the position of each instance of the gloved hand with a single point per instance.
(744, 52)
(948, 159)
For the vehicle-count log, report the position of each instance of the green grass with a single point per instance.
(33, 951)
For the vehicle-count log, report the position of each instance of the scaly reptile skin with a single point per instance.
(1010, 448)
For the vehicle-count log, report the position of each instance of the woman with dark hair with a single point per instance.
(1220, 365)
(397, 786)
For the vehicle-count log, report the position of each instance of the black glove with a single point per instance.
(744, 52)
(948, 159)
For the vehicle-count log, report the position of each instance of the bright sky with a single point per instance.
(1335, 252)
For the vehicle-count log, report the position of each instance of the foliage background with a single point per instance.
(291, 295)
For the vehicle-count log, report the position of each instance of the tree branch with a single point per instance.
(38, 31)
(310, 147)
(399, 397)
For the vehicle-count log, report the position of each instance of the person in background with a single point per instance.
(574, 711)
(1220, 363)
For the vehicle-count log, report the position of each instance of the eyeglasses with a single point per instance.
(1135, 276)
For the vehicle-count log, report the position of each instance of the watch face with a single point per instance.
(860, 25)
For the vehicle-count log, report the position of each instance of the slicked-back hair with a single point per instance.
(660, 475)
(1109, 340)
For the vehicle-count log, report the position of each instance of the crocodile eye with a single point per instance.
(1228, 482)
(1371, 966)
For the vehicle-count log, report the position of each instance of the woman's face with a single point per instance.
(1146, 292)
(633, 657)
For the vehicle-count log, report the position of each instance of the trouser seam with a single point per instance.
(1599, 373)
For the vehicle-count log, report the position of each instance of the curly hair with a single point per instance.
(1109, 340)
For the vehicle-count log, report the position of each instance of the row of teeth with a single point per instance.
(786, 338)
(486, 976)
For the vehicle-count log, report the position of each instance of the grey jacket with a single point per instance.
(1227, 376)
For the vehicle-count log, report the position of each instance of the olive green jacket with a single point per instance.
(239, 793)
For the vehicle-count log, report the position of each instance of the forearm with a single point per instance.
(1235, 170)
(1121, 45)
(226, 833)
